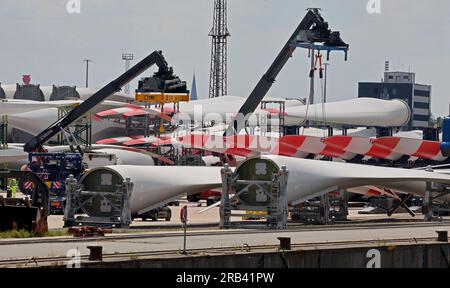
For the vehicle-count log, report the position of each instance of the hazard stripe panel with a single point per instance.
(343, 147)
(118, 140)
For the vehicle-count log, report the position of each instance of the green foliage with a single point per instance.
(20, 234)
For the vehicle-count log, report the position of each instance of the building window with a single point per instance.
(421, 105)
(421, 118)
(422, 93)
(406, 77)
(391, 77)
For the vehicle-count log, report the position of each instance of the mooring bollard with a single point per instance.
(285, 243)
(96, 253)
(442, 235)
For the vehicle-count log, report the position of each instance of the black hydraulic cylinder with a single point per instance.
(113, 87)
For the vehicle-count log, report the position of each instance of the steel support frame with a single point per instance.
(4, 132)
(323, 210)
(277, 210)
(73, 192)
(281, 116)
(80, 127)
(434, 191)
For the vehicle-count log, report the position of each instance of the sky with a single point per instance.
(40, 37)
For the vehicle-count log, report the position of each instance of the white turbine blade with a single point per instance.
(372, 191)
(126, 157)
(362, 146)
(155, 184)
(310, 178)
(12, 154)
(142, 141)
(413, 147)
(130, 110)
(10, 107)
(359, 112)
(117, 140)
(34, 122)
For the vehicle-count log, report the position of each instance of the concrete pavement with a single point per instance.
(215, 239)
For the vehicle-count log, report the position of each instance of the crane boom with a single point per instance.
(312, 29)
(115, 86)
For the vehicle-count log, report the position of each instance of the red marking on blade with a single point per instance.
(238, 152)
(165, 117)
(239, 142)
(379, 152)
(143, 113)
(332, 152)
(135, 142)
(373, 192)
(205, 142)
(162, 143)
(135, 113)
(388, 143)
(382, 147)
(289, 145)
(106, 141)
(334, 194)
(168, 110)
(132, 106)
(274, 111)
(338, 142)
(428, 150)
(166, 137)
(193, 141)
(107, 113)
(118, 140)
(96, 118)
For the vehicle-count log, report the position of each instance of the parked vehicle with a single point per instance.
(155, 214)
(212, 200)
(203, 196)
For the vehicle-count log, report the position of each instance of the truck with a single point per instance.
(53, 169)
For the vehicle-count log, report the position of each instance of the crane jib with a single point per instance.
(312, 29)
(154, 58)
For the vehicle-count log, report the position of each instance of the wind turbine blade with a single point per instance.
(154, 185)
(310, 177)
(424, 149)
(118, 140)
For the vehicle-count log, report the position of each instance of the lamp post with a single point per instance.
(127, 57)
(87, 71)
